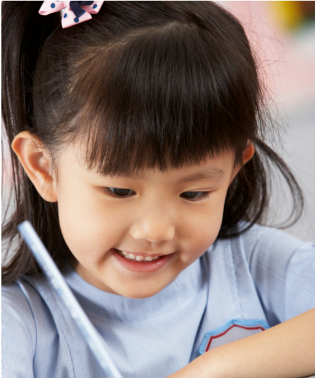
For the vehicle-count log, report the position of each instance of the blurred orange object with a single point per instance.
(292, 14)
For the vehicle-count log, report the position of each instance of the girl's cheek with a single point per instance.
(201, 229)
(91, 226)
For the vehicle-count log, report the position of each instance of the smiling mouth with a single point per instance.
(131, 256)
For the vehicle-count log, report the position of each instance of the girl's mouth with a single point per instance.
(140, 263)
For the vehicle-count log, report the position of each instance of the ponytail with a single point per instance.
(248, 195)
(24, 33)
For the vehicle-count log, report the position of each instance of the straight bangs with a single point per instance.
(162, 97)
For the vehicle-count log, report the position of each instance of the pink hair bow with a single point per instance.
(73, 12)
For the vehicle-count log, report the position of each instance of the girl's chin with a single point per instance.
(135, 279)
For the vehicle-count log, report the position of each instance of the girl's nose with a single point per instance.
(154, 229)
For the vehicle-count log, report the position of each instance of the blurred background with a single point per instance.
(283, 37)
(282, 34)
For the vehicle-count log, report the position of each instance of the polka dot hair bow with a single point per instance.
(73, 12)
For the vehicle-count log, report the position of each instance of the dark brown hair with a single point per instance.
(143, 84)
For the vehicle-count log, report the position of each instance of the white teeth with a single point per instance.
(131, 256)
(148, 258)
(139, 258)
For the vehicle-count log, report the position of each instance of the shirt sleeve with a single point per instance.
(283, 269)
(18, 334)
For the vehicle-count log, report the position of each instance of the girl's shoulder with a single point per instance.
(19, 328)
(270, 251)
(20, 304)
(21, 292)
(268, 246)
(278, 266)
(17, 298)
(261, 243)
(24, 307)
(29, 329)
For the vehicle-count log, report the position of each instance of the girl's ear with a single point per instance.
(248, 153)
(36, 163)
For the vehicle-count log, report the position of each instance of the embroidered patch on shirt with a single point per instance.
(233, 330)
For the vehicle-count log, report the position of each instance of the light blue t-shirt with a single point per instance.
(240, 286)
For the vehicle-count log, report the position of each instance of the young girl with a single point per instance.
(139, 157)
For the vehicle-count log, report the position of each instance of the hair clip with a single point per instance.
(73, 12)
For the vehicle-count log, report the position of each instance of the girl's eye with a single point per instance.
(119, 192)
(195, 196)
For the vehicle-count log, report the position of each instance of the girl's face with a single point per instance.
(170, 218)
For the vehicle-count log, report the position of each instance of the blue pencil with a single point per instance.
(90, 334)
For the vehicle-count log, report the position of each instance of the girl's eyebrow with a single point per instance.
(210, 173)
